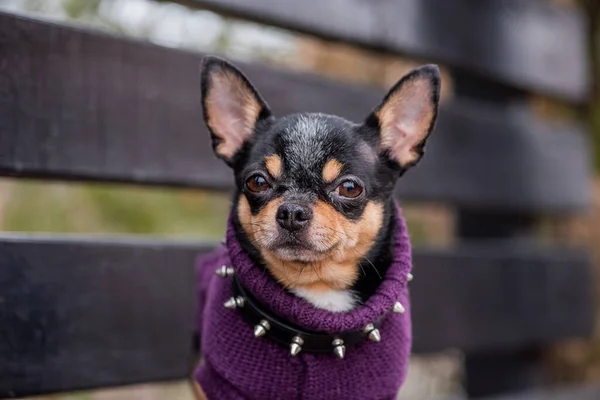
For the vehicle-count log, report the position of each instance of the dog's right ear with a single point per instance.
(232, 107)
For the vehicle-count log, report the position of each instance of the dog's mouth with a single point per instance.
(297, 249)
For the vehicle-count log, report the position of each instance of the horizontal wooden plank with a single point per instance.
(499, 296)
(532, 45)
(504, 162)
(82, 314)
(86, 314)
(86, 106)
(584, 392)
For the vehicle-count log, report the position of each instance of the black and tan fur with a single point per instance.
(304, 224)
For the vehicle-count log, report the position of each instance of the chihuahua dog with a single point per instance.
(313, 215)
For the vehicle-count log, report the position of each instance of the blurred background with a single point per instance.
(32, 206)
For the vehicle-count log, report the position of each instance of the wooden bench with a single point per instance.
(82, 312)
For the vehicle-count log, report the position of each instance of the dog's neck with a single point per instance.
(372, 268)
(330, 299)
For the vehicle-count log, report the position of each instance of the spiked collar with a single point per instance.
(286, 334)
(292, 321)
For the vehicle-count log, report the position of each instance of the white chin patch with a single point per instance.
(330, 300)
(298, 255)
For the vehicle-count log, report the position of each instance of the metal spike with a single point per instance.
(259, 331)
(372, 332)
(374, 335)
(262, 328)
(296, 345)
(230, 303)
(295, 349)
(340, 351)
(338, 348)
(409, 277)
(234, 302)
(398, 308)
(224, 271)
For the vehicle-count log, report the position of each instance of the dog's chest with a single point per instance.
(330, 300)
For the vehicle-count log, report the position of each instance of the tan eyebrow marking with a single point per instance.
(332, 170)
(273, 165)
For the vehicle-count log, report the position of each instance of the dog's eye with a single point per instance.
(349, 189)
(257, 183)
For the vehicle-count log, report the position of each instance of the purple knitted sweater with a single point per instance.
(236, 365)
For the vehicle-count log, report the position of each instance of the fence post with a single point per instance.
(492, 373)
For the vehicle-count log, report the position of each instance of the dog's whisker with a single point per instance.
(372, 265)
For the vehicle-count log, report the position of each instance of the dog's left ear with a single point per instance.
(406, 116)
(232, 107)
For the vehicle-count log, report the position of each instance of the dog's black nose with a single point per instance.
(292, 216)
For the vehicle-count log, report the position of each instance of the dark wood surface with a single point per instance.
(588, 392)
(489, 372)
(85, 313)
(82, 314)
(496, 296)
(87, 106)
(527, 44)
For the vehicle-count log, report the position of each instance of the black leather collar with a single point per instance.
(285, 333)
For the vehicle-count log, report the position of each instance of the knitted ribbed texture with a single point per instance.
(238, 366)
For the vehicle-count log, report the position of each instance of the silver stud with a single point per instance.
(398, 308)
(262, 328)
(295, 349)
(338, 348)
(234, 302)
(296, 345)
(224, 271)
(373, 333)
(409, 277)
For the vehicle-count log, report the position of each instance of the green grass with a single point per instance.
(95, 208)
(33, 206)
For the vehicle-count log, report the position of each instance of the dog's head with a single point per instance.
(312, 188)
